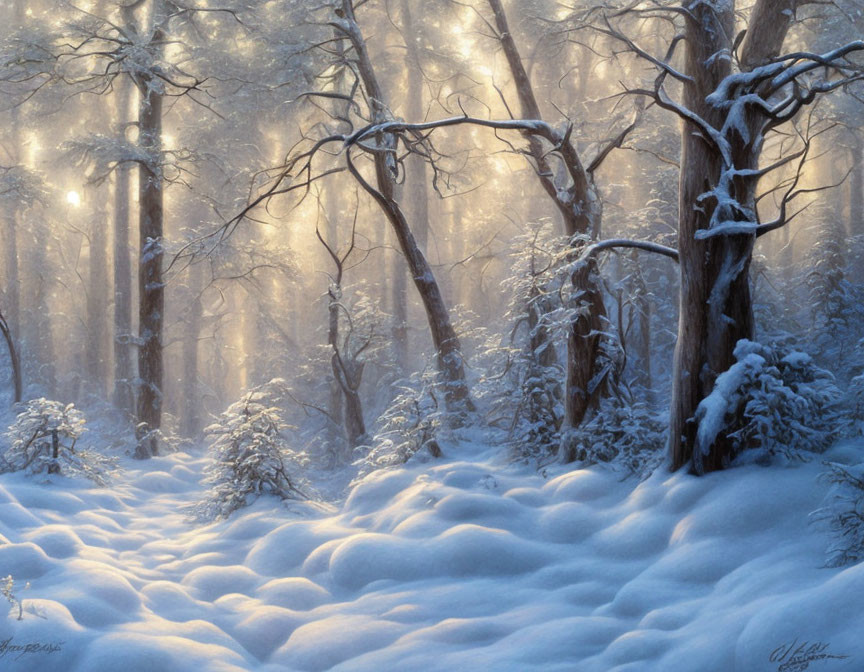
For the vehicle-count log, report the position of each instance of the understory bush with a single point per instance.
(843, 513)
(251, 455)
(43, 439)
(409, 426)
(627, 435)
(772, 401)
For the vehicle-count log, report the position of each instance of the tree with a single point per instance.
(734, 93)
(575, 196)
(14, 360)
(386, 169)
(136, 47)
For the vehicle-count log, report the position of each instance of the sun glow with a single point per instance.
(73, 198)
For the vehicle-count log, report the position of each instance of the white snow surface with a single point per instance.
(464, 563)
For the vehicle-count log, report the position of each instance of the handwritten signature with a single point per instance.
(795, 657)
(7, 647)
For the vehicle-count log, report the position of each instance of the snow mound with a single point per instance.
(452, 565)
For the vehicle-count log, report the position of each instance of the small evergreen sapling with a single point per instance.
(410, 425)
(251, 456)
(43, 438)
(772, 401)
(624, 433)
(843, 512)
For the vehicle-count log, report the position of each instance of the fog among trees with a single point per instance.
(312, 241)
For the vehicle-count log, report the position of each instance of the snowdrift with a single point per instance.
(453, 565)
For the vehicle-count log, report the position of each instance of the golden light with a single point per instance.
(73, 198)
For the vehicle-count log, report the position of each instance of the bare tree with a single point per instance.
(735, 91)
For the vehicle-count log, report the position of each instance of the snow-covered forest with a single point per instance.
(432, 335)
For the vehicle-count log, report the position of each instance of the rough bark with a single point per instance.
(151, 288)
(715, 302)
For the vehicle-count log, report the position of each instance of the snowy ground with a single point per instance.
(452, 565)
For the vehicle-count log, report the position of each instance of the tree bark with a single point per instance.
(123, 394)
(716, 308)
(151, 288)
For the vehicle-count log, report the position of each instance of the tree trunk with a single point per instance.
(444, 338)
(579, 207)
(14, 360)
(716, 308)
(355, 426)
(124, 393)
(415, 196)
(151, 288)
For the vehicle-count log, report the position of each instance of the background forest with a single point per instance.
(180, 225)
(320, 316)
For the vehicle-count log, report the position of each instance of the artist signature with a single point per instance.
(9, 648)
(796, 657)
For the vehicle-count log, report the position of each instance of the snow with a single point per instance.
(457, 564)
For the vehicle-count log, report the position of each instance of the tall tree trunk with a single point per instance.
(444, 338)
(696, 362)
(124, 393)
(151, 288)
(580, 210)
(415, 196)
(716, 308)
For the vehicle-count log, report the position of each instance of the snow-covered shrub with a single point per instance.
(410, 425)
(43, 438)
(855, 400)
(626, 435)
(773, 401)
(524, 370)
(843, 512)
(251, 455)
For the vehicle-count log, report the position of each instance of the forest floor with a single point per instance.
(465, 563)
